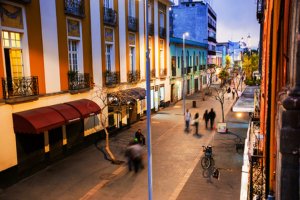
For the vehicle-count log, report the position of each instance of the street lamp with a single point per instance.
(184, 35)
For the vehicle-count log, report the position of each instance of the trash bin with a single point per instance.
(194, 104)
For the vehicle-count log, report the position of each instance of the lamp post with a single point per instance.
(186, 34)
(148, 94)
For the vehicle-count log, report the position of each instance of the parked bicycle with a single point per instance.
(207, 160)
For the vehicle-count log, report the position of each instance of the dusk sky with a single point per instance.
(236, 19)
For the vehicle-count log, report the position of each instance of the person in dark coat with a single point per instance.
(206, 117)
(140, 137)
(212, 116)
(196, 123)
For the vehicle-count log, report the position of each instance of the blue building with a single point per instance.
(233, 49)
(199, 20)
(194, 72)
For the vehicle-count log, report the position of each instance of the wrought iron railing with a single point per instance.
(163, 72)
(173, 71)
(20, 87)
(75, 8)
(162, 32)
(109, 16)
(133, 76)
(78, 81)
(151, 28)
(132, 24)
(111, 78)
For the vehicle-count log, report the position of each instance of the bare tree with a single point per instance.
(220, 96)
(210, 71)
(117, 97)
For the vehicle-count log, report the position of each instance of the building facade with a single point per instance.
(54, 54)
(191, 70)
(200, 21)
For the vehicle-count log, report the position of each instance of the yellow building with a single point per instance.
(53, 53)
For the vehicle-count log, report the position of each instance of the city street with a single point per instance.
(177, 172)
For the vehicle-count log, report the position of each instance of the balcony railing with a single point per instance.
(189, 69)
(163, 72)
(20, 89)
(109, 16)
(133, 76)
(78, 82)
(212, 27)
(211, 39)
(75, 8)
(173, 71)
(152, 73)
(111, 78)
(162, 32)
(151, 29)
(132, 24)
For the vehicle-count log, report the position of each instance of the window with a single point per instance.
(162, 55)
(162, 20)
(109, 49)
(73, 55)
(178, 61)
(108, 55)
(149, 13)
(13, 53)
(108, 3)
(132, 58)
(131, 8)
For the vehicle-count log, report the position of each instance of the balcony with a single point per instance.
(20, 89)
(75, 8)
(109, 16)
(78, 82)
(162, 32)
(211, 39)
(211, 52)
(173, 71)
(112, 78)
(151, 29)
(133, 76)
(163, 72)
(132, 24)
(212, 27)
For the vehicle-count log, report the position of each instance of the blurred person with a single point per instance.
(196, 122)
(212, 116)
(187, 118)
(206, 118)
(140, 137)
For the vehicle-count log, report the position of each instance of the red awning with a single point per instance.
(42, 119)
(85, 107)
(37, 120)
(68, 112)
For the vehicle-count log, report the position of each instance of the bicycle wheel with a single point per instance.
(205, 162)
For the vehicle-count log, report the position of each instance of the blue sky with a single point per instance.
(236, 19)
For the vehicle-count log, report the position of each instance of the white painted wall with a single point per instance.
(168, 58)
(156, 42)
(142, 39)
(122, 40)
(50, 45)
(96, 42)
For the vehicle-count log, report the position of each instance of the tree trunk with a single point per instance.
(222, 107)
(111, 155)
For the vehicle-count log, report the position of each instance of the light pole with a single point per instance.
(148, 94)
(186, 34)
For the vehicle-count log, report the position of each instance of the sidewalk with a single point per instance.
(175, 164)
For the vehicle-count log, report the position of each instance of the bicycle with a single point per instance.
(207, 160)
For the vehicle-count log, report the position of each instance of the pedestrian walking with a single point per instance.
(206, 118)
(212, 116)
(134, 154)
(187, 118)
(196, 123)
(140, 137)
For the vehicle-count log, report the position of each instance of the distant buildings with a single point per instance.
(199, 20)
